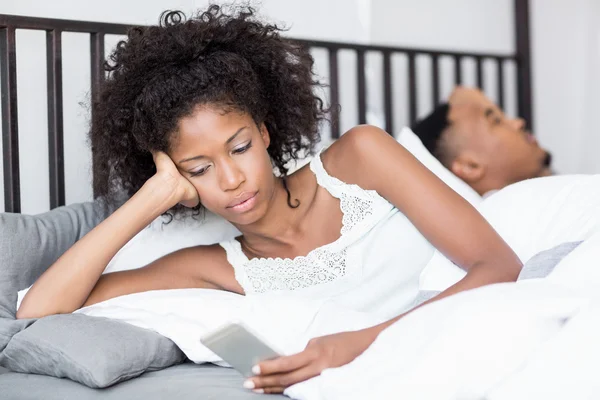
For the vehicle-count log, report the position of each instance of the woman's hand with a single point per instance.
(168, 176)
(324, 352)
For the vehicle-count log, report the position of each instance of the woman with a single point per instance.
(200, 113)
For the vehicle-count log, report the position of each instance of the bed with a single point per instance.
(183, 378)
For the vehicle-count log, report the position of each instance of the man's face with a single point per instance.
(514, 153)
(500, 145)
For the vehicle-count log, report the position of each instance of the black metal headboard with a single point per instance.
(97, 32)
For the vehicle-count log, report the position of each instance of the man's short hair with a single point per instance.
(431, 128)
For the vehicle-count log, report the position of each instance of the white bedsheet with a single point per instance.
(505, 341)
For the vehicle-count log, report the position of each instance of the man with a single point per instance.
(473, 138)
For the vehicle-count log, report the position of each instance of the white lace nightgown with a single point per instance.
(374, 266)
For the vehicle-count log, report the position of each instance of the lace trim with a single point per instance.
(271, 274)
(321, 265)
(356, 203)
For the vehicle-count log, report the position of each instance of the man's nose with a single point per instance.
(519, 124)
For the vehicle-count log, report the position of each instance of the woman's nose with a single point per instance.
(231, 176)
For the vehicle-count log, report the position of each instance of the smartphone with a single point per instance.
(239, 347)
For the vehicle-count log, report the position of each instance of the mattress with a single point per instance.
(184, 381)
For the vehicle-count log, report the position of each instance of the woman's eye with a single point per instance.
(241, 150)
(198, 172)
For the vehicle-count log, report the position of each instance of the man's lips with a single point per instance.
(531, 139)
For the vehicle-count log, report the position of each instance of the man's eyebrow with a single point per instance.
(488, 112)
(231, 139)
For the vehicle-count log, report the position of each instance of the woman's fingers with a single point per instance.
(272, 390)
(166, 171)
(284, 364)
(273, 383)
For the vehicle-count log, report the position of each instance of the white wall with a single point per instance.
(469, 25)
(565, 60)
(566, 81)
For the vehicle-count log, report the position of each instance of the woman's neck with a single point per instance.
(281, 225)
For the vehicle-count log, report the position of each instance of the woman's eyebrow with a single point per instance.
(231, 139)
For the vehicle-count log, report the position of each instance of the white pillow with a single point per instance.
(538, 214)
(413, 144)
(531, 216)
(160, 238)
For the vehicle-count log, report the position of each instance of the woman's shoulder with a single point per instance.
(212, 255)
(349, 156)
(207, 263)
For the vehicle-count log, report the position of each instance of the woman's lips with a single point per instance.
(244, 203)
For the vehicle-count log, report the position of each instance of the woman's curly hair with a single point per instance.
(159, 74)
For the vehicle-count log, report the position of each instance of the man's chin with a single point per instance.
(546, 171)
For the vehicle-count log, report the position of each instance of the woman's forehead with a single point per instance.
(206, 128)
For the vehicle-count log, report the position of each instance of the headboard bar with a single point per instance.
(361, 86)
(479, 72)
(55, 118)
(334, 93)
(412, 88)
(65, 25)
(500, 82)
(398, 49)
(435, 79)
(457, 70)
(97, 31)
(524, 94)
(97, 77)
(387, 91)
(10, 126)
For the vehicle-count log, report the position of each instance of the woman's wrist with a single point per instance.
(377, 329)
(372, 332)
(160, 193)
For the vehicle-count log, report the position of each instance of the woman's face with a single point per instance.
(224, 155)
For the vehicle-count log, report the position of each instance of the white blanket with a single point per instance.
(529, 340)
(498, 342)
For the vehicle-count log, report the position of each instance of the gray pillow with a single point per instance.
(93, 351)
(29, 244)
(97, 352)
(540, 265)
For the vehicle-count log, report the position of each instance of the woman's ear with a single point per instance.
(264, 133)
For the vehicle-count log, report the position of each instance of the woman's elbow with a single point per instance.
(32, 312)
(508, 270)
(498, 270)
(24, 313)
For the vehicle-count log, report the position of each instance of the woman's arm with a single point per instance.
(448, 221)
(369, 157)
(67, 284)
